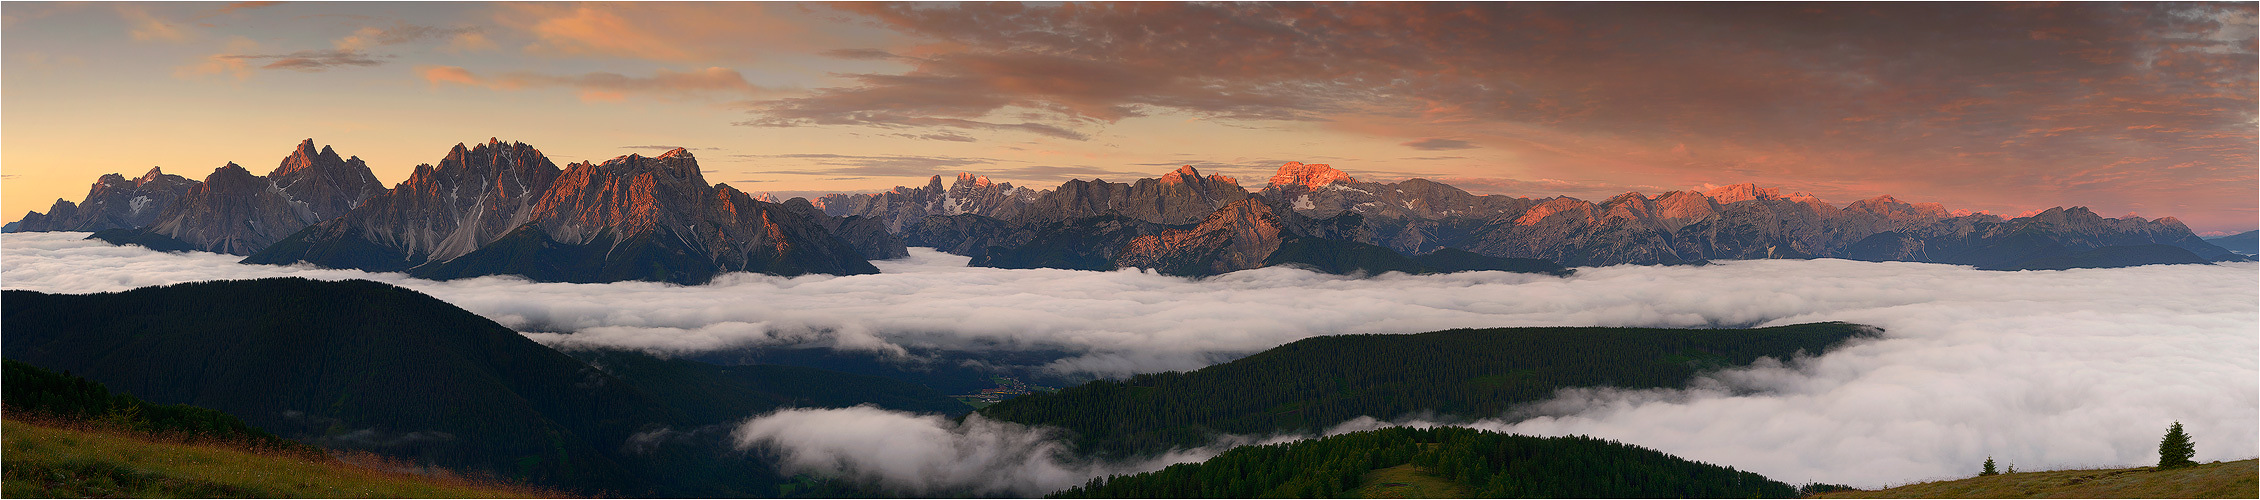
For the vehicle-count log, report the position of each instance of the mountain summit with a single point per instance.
(1308, 175)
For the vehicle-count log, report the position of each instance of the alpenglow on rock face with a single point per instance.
(1742, 221)
(503, 208)
(1068, 226)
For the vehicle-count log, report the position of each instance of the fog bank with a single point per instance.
(2045, 369)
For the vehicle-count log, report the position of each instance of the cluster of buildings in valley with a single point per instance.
(1007, 388)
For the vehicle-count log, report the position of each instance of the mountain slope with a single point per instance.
(2246, 243)
(1323, 381)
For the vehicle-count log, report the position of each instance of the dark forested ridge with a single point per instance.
(1323, 381)
(1485, 464)
(42, 393)
(371, 366)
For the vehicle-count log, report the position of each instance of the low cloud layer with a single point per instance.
(932, 455)
(2045, 369)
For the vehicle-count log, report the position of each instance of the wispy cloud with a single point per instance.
(399, 33)
(603, 86)
(1438, 144)
(147, 27)
(668, 32)
(867, 165)
(311, 61)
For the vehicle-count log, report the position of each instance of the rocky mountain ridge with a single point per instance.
(500, 208)
(233, 211)
(1418, 217)
(504, 208)
(114, 202)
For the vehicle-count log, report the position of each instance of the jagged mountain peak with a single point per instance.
(968, 179)
(1188, 174)
(1742, 192)
(1308, 175)
(307, 156)
(231, 170)
(154, 174)
(678, 164)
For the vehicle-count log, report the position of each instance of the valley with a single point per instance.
(1175, 249)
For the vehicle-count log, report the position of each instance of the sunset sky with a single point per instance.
(2008, 108)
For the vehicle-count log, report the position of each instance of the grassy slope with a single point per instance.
(1406, 481)
(48, 462)
(2214, 480)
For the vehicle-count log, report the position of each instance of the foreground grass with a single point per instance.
(40, 461)
(2214, 480)
(1405, 481)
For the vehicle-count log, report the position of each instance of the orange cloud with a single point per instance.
(603, 86)
(224, 63)
(470, 42)
(448, 74)
(590, 30)
(147, 27)
(689, 32)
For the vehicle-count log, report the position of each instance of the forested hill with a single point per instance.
(376, 367)
(1448, 461)
(1318, 382)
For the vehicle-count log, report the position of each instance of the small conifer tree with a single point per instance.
(1988, 468)
(2175, 450)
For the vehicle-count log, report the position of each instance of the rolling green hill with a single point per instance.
(360, 365)
(1317, 382)
(1438, 463)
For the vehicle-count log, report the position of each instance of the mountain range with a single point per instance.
(505, 209)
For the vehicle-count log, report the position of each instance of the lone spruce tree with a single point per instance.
(2175, 449)
(1988, 468)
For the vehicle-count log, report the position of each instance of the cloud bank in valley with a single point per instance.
(2046, 369)
(930, 455)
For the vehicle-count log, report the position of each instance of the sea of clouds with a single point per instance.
(2043, 369)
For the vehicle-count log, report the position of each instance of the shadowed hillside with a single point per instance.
(1323, 381)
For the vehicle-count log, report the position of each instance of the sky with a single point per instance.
(2144, 109)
